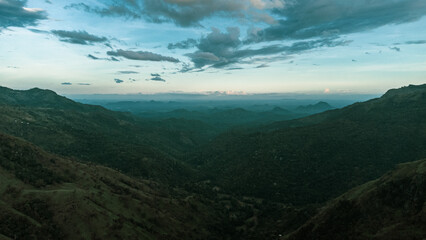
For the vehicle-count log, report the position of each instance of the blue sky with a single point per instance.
(241, 46)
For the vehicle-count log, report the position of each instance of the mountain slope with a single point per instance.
(392, 207)
(314, 108)
(316, 158)
(43, 196)
(138, 147)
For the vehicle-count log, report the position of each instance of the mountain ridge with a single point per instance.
(391, 207)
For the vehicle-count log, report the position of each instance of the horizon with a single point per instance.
(250, 46)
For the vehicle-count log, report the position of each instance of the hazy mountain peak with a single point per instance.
(408, 92)
(36, 97)
(315, 108)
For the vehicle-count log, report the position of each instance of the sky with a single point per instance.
(201, 46)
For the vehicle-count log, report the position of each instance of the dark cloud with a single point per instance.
(262, 66)
(48, 1)
(127, 72)
(416, 42)
(216, 47)
(84, 84)
(141, 55)
(93, 57)
(14, 13)
(222, 49)
(395, 49)
(66, 83)
(158, 79)
(235, 68)
(113, 59)
(304, 19)
(38, 31)
(78, 37)
(186, 44)
(182, 13)
(118, 80)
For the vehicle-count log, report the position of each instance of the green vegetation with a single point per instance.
(78, 171)
(88, 201)
(391, 207)
(316, 158)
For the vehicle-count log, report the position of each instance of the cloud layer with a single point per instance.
(303, 19)
(78, 37)
(220, 49)
(141, 55)
(14, 13)
(184, 12)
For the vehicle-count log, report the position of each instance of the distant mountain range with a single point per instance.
(310, 160)
(70, 170)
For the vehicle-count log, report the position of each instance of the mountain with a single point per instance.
(391, 207)
(314, 108)
(223, 119)
(313, 159)
(40, 98)
(91, 133)
(45, 196)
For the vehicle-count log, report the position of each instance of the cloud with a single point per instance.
(38, 31)
(14, 13)
(118, 80)
(78, 37)
(220, 49)
(93, 57)
(84, 84)
(262, 66)
(141, 55)
(158, 79)
(395, 49)
(416, 42)
(304, 19)
(113, 59)
(186, 44)
(183, 12)
(66, 83)
(127, 72)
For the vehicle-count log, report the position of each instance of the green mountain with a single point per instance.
(184, 183)
(314, 108)
(149, 149)
(44, 196)
(391, 207)
(313, 159)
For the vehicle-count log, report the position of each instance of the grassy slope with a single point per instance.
(392, 207)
